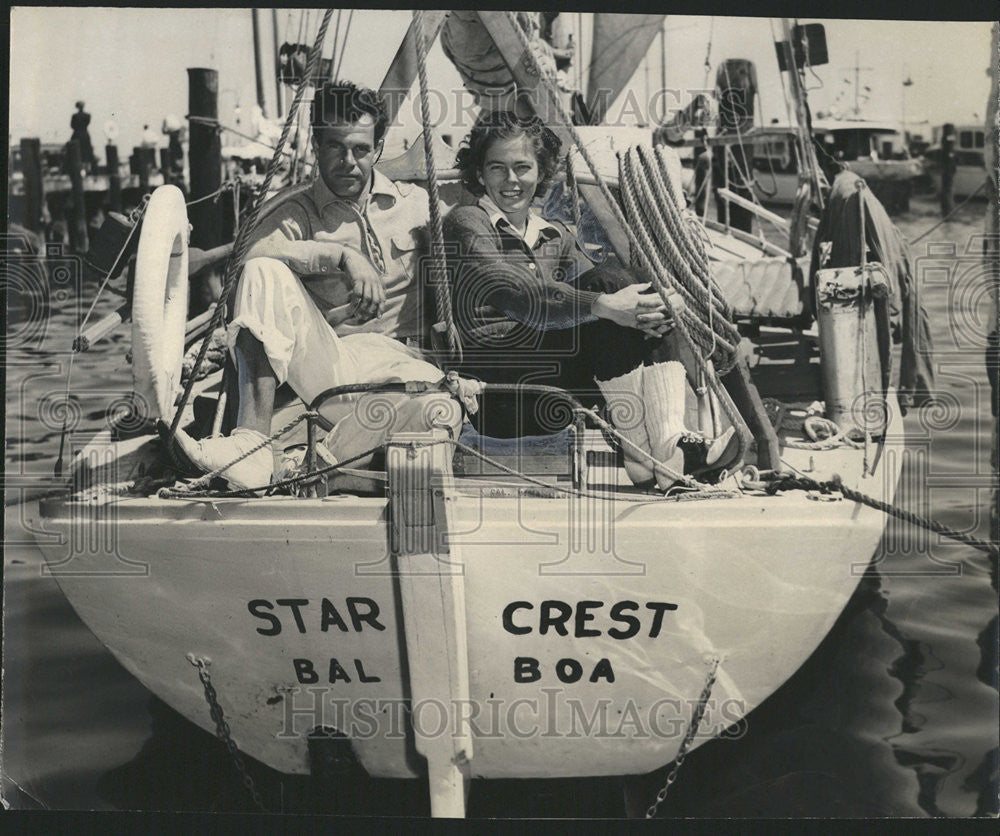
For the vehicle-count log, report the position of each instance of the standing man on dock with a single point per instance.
(79, 122)
(330, 293)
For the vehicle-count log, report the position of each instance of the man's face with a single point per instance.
(345, 153)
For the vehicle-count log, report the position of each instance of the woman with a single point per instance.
(531, 307)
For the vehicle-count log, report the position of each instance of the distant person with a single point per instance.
(149, 137)
(79, 122)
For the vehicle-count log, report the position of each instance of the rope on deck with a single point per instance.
(790, 482)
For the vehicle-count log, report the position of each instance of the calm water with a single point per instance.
(894, 715)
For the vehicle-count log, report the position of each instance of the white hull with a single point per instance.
(755, 581)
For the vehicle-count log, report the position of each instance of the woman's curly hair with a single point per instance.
(496, 125)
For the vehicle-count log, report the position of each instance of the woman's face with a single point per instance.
(510, 176)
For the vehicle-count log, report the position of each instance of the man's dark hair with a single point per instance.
(343, 101)
(496, 125)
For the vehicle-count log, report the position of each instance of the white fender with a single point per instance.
(160, 302)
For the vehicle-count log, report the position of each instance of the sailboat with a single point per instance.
(508, 609)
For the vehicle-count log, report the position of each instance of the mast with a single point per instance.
(645, 78)
(279, 105)
(580, 80)
(806, 151)
(857, 81)
(258, 58)
(663, 55)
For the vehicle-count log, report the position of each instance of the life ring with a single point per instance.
(160, 303)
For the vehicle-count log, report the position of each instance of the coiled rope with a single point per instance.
(445, 331)
(824, 434)
(242, 244)
(653, 209)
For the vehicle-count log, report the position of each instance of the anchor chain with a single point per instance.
(696, 718)
(223, 733)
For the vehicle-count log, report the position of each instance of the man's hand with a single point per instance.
(367, 290)
(635, 307)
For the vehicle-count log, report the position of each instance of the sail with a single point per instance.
(412, 165)
(620, 42)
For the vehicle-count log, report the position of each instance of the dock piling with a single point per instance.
(204, 156)
(165, 164)
(31, 166)
(947, 168)
(114, 178)
(78, 221)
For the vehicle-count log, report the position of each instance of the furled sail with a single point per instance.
(620, 42)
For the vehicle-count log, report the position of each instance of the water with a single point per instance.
(894, 715)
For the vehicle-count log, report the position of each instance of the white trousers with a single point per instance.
(303, 349)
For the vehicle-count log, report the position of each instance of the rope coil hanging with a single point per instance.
(242, 244)
(678, 257)
(445, 332)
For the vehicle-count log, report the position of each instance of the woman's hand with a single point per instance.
(660, 322)
(635, 307)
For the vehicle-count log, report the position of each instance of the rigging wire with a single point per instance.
(708, 53)
(336, 39)
(302, 23)
(781, 78)
(343, 46)
(449, 338)
(950, 215)
(136, 216)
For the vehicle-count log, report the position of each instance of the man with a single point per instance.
(79, 123)
(329, 295)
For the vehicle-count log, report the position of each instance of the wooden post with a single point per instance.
(747, 400)
(432, 593)
(947, 168)
(204, 157)
(78, 223)
(165, 164)
(114, 179)
(31, 166)
(142, 156)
